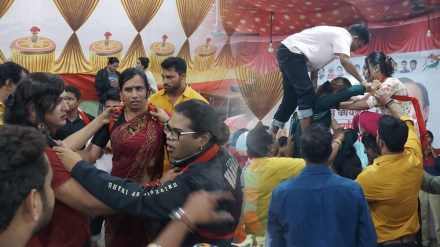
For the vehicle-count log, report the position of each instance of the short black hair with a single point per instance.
(177, 63)
(404, 61)
(394, 133)
(282, 141)
(10, 70)
(22, 168)
(360, 30)
(316, 144)
(112, 60)
(145, 61)
(111, 94)
(129, 74)
(204, 119)
(258, 141)
(74, 90)
(428, 132)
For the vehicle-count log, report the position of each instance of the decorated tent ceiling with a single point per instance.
(253, 16)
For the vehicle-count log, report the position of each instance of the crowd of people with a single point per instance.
(176, 178)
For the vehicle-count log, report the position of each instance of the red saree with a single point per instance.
(138, 155)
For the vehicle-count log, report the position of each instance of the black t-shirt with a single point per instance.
(71, 127)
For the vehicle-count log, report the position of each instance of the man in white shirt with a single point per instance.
(310, 50)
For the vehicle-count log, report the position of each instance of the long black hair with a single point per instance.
(40, 90)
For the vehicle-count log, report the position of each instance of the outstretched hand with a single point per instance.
(109, 114)
(201, 207)
(160, 114)
(67, 156)
(170, 175)
(339, 134)
(382, 97)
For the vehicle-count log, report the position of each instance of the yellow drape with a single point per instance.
(185, 54)
(72, 59)
(260, 91)
(135, 50)
(225, 58)
(140, 12)
(2, 57)
(4, 6)
(192, 13)
(203, 63)
(76, 12)
(34, 62)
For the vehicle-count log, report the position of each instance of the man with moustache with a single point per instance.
(175, 89)
(26, 197)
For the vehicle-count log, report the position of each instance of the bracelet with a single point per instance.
(389, 103)
(339, 142)
(179, 214)
(153, 245)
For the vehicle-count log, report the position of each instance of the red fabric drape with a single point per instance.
(85, 83)
(405, 38)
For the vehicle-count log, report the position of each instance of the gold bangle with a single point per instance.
(339, 142)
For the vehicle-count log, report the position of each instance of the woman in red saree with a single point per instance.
(137, 141)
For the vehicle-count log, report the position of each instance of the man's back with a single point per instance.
(319, 208)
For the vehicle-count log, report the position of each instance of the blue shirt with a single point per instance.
(319, 208)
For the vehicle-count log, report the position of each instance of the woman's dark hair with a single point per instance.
(351, 165)
(112, 60)
(385, 62)
(10, 70)
(40, 90)
(144, 61)
(129, 73)
(204, 119)
(327, 87)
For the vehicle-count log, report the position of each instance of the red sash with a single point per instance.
(83, 116)
(419, 116)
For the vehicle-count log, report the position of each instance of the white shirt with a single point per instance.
(319, 44)
(151, 81)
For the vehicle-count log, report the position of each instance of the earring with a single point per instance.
(201, 148)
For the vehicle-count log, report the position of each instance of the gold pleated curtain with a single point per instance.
(2, 57)
(191, 14)
(4, 6)
(72, 59)
(261, 92)
(140, 13)
(225, 58)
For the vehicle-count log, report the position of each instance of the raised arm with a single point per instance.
(349, 67)
(78, 139)
(334, 100)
